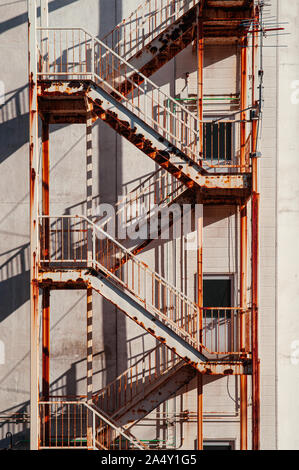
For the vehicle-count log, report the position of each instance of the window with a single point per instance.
(218, 445)
(218, 141)
(217, 292)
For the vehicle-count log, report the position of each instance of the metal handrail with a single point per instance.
(148, 11)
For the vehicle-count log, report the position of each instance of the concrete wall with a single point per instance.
(287, 327)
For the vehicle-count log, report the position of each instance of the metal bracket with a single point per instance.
(255, 155)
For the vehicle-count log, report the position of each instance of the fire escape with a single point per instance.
(78, 78)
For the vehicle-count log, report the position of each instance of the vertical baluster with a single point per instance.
(54, 45)
(218, 137)
(80, 63)
(67, 51)
(225, 144)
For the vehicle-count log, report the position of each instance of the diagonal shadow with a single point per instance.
(20, 19)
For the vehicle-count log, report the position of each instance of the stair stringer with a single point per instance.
(164, 333)
(175, 38)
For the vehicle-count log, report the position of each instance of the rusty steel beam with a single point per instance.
(46, 343)
(46, 290)
(200, 325)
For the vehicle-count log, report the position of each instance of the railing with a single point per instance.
(66, 425)
(221, 329)
(136, 380)
(221, 145)
(69, 241)
(74, 54)
(149, 20)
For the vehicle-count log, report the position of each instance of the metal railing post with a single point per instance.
(94, 431)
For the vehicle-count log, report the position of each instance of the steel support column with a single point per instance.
(46, 360)
(200, 64)
(34, 254)
(243, 324)
(46, 343)
(89, 370)
(89, 181)
(199, 216)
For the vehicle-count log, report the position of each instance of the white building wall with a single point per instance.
(287, 326)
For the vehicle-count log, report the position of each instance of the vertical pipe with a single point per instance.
(34, 254)
(199, 220)
(200, 58)
(254, 269)
(243, 304)
(243, 102)
(89, 370)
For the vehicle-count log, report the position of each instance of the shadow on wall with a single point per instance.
(110, 180)
(14, 122)
(20, 19)
(15, 420)
(14, 281)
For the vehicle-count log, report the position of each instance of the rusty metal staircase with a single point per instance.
(80, 78)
